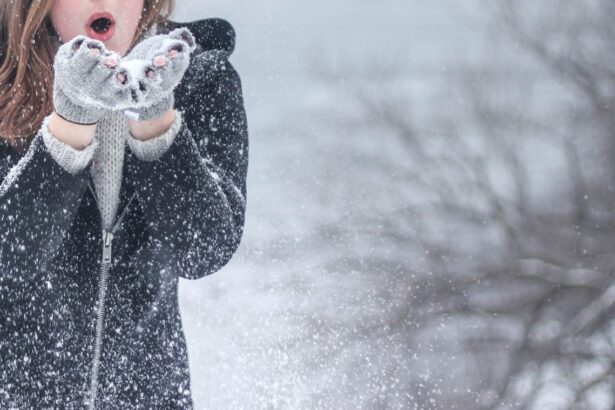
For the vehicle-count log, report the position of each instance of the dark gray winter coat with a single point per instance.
(181, 216)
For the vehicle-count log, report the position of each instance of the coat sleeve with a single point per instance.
(194, 196)
(38, 201)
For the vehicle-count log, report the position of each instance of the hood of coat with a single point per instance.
(211, 33)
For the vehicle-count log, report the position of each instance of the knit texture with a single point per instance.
(155, 94)
(107, 155)
(154, 148)
(71, 159)
(84, 88)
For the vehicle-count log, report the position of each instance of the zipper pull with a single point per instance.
(107, 238)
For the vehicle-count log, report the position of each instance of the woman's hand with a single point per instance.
(86, 83)
(152, 70)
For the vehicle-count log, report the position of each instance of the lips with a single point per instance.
(101, 26)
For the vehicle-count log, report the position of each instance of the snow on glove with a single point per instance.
(152, 70)
(85, 80)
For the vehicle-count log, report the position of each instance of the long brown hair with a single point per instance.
(28, 44)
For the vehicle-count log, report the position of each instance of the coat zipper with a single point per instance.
(102, 291)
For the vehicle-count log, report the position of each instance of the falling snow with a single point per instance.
(90, 316)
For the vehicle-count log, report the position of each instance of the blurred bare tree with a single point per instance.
(505, 190)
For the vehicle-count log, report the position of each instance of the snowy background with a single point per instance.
(429, 196)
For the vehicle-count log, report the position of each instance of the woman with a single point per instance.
(101, 212)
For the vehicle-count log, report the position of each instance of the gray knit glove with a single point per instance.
(85, 80)
(152, 70)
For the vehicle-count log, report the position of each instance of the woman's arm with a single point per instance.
(194, 196)
(39, 199)
(76, 135)
(148, 129)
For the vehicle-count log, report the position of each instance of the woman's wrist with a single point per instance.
(148, 129)
(76, 135)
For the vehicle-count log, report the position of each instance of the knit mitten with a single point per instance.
(85, 80)
(152, 70)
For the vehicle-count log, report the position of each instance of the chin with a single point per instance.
(113, 46)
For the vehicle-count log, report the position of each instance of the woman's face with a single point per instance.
(114, 22)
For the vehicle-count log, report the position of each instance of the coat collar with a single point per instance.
(211, 33)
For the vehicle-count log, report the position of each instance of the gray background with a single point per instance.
(429, 209)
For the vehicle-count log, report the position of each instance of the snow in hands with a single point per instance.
(89, 75)
(153, 69)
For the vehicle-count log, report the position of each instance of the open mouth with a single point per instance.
(101, 26)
